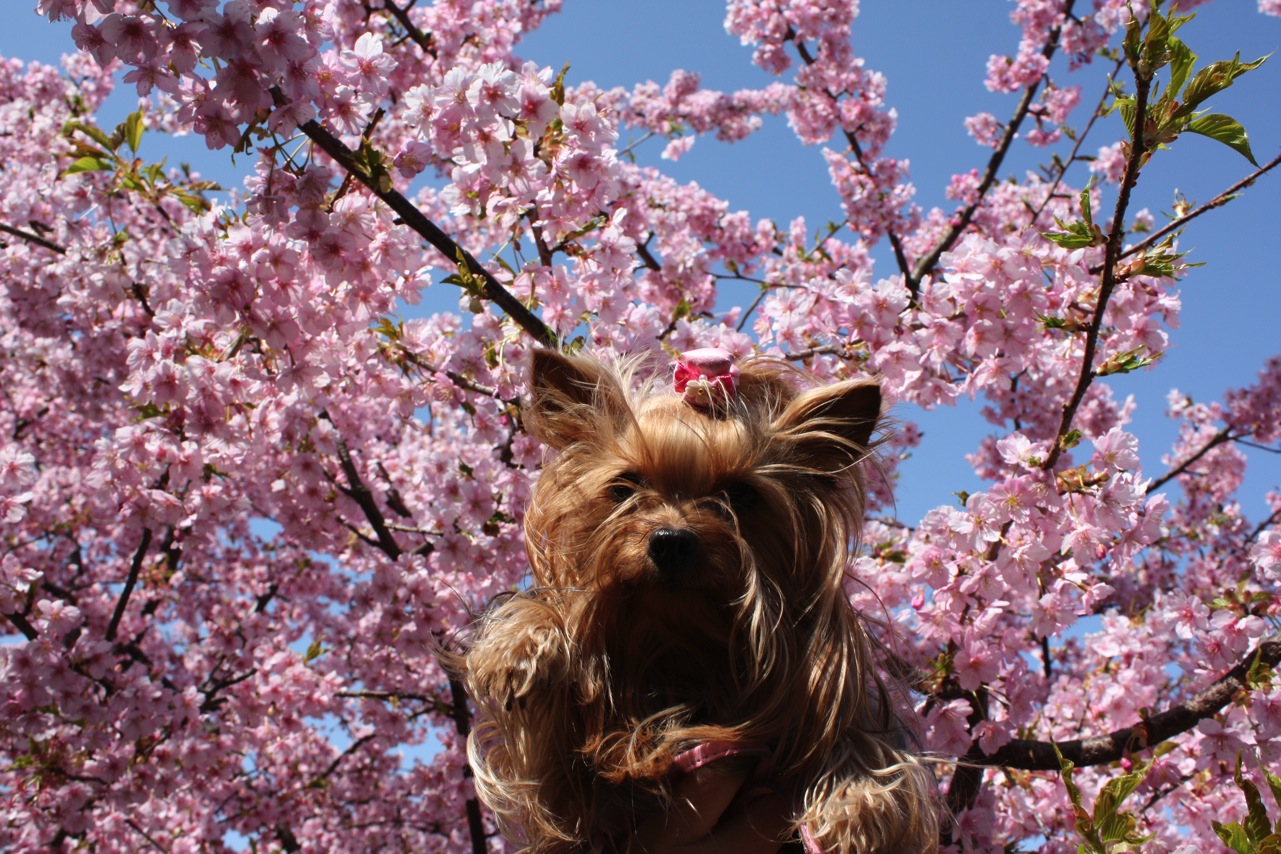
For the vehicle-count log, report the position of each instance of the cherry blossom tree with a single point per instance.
(249, 491)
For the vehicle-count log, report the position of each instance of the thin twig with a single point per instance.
(1218, 201)
(1077, 143)
(1215, 440)
(32, 238)
(961, 221)
(851, 137)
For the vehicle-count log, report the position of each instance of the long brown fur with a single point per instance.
(611, 665)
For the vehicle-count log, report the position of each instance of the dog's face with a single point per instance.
(662, 504)
(649, 495)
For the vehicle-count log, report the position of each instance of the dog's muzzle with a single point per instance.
(673, 550)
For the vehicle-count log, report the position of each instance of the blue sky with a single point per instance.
(933, 53)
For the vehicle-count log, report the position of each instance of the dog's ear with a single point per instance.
(568, 397)
(829, 429)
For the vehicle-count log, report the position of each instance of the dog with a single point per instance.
(688, 604)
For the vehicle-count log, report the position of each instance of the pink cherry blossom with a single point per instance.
(255, 474)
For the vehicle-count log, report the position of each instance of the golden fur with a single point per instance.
(689, 573)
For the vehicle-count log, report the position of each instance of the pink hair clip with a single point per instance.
(706, 376)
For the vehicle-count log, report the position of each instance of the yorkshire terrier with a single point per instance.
(689, 601)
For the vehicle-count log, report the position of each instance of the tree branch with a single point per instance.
(1112, 252)
(423, 40)
(1215, 440)
(851, 137)
(967, 782)
(22, 624)
(961, 221)
(32, 238)
(462, 725)
(357, 491)
(1217, 202)
(1099, 110)
(491, 289)
(1030, 755)
(135, 568)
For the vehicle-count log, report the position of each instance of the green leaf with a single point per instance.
(1124, 104)
(1257, 826)
(1162, 260)
(1181, 60)
(1116, 790)
(1233, 836)
(88, 130)
(89, 164)
(1214, 78)
(1155, 41)
(1124, 363)
(133, 130)
(1048, 322)
(195, 204)
(1274, 783)
(557, 93)
(1226, 130)
(1116, 827)
(1076, 235)
(369, 163)
(1259, 676)
(1084, 201)
(1131, 43)
(315, 651)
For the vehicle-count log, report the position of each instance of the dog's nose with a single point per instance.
(672, 550)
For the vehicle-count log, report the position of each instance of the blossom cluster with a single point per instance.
(253, 496)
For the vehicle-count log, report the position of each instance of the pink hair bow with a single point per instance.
(706, 376)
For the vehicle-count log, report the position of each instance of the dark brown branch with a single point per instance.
(851, 137)
(22, 624)
(1099, 110)
(1263, 526)
(135, 569)
(1030, 755)
(540, 243)
(491, 289)
(1217, 202)
(967, 782)
(642, 249)
(357, 491)
(288, 840)
(423, 40)
(32, 238)
(1215, 440)
(961, 221)
(462, 725)
(1112, 253)
(338, 760)
(394, 499)
(138, 830)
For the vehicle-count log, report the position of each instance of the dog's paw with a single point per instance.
(513, 661)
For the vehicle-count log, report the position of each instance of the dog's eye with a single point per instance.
(740, 496)
(624, 486)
